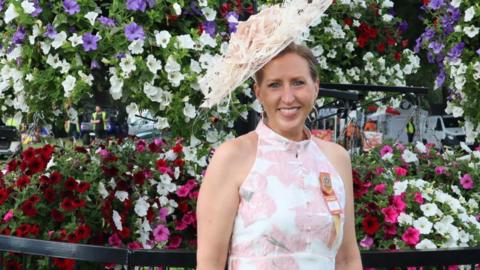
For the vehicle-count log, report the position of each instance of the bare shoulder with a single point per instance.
(234, 158)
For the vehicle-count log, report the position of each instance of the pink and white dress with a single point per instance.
(282, 220)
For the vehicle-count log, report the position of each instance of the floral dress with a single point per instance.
(282, 221)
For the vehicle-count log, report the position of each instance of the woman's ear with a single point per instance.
(256, 89)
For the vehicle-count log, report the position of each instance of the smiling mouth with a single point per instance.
(289, 112)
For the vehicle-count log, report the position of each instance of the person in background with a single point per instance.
(72, 124)
(410, 129)
(99, 121)
(370, 125)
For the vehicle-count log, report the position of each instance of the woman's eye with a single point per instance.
(274, 85)
(298, 83)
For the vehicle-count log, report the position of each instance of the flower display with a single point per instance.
(431, 202)
(451, 42)
(133, 194)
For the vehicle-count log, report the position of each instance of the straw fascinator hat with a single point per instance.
(257, 41)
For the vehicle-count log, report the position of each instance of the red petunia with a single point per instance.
(370, 224)
(28, 154)
(12, 264)
(139, 178)
(83, 232)
(28, 209)
(3, 195)
(177, 148)
(12, 165)
(57, 215)
(381, 48)
(125, 233)
(179, 162)
(23, 181)
(36, 165)
(391, 41)
(398, 56)
(67, 204)
(81, 149)
(83, 187)
(22, 230)
(55, 178)
(70, 184)
(348, 21)
(78, 203)
(362, 41)
(72, 238)
(49, 195)
(34, 229)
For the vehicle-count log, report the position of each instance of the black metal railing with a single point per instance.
(179, 259)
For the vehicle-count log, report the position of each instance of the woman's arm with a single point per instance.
(217, 205)
(348, 256)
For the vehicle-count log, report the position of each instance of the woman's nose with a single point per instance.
(287, 95)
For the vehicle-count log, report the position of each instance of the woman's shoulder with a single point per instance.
(238, 147)
(332, 150)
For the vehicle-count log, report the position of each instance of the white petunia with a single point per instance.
(153, 64)
(15, 53)
(388, 156)
(28, 78)
(116, 86)
(53, 61)
(91, 17)
(162, 123)
(469, 14)
(471, 31)
(185, 41)
(456, 3)
(68, 85)
(429, 209)
(117, 220)
(457, 111)
(387, 4)
(170, 155)
(162, 38)
(150, 90)
(141, 207)
(102, 190)
(207, 40)
(177, 8)
(75, 40)
(88, 79)
(409, 156)
(421, 147)
(399, 187)
(136, 47)
(45, 46)
(121, 195)
(426, 244)
(10, 14)
(387, 18)
(28, 7)
(127, 64)
(189, 111)
(172, 65)
(131, 110)
(195, 66)
(175, 78)
(59, 40)
(405, 219)
(423, 225)
(209, 13)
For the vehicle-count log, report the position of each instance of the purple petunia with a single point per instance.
(418, 45)
(210, 28)
(19, 35)
(134, 31)
(71, 7)
(90, 42)
(456, 51)
(478, 51)
(140, 5)
(436, 47)
(51, 32)
(2, 2)
(436, 4)
(403, 26)
(440, 78)
(94, 64)
(106, 21)
(37, 7)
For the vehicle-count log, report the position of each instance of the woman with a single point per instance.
(277, 197)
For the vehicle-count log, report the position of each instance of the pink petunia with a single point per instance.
(135, 245)
(411, 236)
(163, 213)
(390, 214)
(398, 203)
(440, 170)
(161, 233)
(183, 191)
(114, 240)
(366, 242)
(400, 171)
(379, 170)
(174, 242)
(8, 216)
(466, 181)
(385, 150)
(418, 198)
(380, 188)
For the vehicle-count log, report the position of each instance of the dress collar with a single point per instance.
(272, 137)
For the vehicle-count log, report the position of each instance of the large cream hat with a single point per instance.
(256, 41)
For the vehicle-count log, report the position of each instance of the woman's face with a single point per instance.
(287, 93)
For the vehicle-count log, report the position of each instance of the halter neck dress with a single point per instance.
(282, 220)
